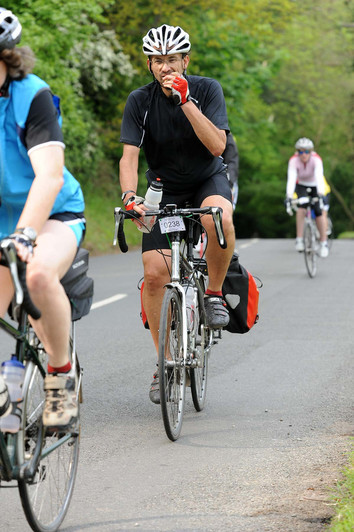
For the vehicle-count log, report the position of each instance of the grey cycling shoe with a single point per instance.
(61, 406)
(154, 393)
(217, 315)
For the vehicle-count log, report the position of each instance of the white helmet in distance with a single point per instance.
(10, 29)
(166, 40)
(304, 144)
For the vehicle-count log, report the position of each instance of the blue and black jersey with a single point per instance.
(28, 121)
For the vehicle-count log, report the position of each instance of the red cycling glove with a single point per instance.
(180, 90)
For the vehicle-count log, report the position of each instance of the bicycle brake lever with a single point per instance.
(117, 217)
(119, 230)
(217, 218)
(9, 250)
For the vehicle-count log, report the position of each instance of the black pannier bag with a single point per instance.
(241, 296)
(78, 286)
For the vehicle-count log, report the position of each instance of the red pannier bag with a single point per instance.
(241, 296)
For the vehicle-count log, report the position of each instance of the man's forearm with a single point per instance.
(213, 138)
(128, 176)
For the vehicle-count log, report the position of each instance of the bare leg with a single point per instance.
(156, 275)
(6, 290)
(300, 221)
(53, 255)
(321, 222)
(218, 259)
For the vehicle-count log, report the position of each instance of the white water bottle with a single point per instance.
(152, 201)
(13, 372)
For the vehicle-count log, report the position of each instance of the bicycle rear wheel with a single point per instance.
(172, 372)
(199, 374)
(310, 249)
(201, 350)
(46, 496)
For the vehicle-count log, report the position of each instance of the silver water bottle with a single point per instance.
(13, 372)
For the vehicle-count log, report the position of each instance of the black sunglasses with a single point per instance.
(303, 151)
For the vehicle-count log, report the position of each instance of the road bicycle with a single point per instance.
(43, 464)
(311, 233)
(185, 340)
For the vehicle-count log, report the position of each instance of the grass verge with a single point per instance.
(343, 521)
(99, 213)
(346, 234)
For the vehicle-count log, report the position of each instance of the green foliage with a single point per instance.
(343, 521)
(285, 69)
(66, 37)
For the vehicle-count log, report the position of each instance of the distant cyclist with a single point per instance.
(41, 211)
(231, 159)
(181, 123)
(305, 170)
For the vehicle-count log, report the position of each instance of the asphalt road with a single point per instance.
(267, 450)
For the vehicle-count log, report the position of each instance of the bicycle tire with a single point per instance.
(199, 375)
(201, 351)
(310, 253)
(172, 371)
(46, 497)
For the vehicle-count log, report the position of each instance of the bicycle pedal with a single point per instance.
(217, 335)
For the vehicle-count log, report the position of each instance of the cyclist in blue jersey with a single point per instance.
(41, 210)
(181, 123)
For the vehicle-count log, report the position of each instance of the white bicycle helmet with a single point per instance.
(10, 29)
(166, 40)
(304, 144)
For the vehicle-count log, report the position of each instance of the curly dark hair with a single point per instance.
(19, 61)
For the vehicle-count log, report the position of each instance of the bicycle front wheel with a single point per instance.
(172, 372)
(310, 249)
(46, 495)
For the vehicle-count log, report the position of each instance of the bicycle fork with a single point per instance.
(180, 290)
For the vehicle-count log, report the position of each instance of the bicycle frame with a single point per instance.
(10, 470)
(188, 266)
(42, 461)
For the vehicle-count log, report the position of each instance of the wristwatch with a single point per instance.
(127, 192)
(29, 232)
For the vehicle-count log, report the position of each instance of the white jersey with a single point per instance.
(309, 174)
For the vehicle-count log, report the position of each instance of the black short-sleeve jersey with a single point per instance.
(172, 149)
(42, 122)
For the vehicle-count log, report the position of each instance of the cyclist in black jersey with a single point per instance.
(181, 123)
(41, 210)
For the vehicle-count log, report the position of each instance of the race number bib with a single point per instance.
(171, 224)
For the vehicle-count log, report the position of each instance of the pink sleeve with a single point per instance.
(292, 176)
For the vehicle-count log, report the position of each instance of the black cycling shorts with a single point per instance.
(217, 185)
(301, 191)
